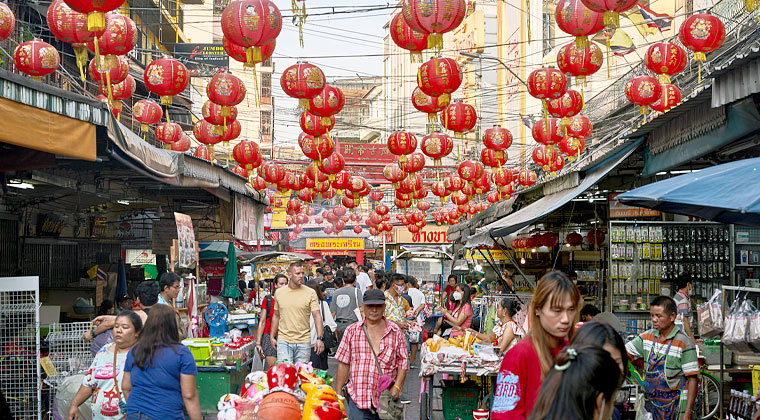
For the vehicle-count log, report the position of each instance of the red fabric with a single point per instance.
(251, 296)
(519, 382)
(449, 290)
(270, 310)
(354, 350)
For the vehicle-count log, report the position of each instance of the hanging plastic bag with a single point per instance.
(710, 316)
(753, 332)
(730, 324)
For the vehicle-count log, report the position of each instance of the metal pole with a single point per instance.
(385, 263)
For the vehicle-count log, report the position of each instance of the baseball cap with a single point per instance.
(374, 297)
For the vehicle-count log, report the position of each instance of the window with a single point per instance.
(266, 85)
(548, 26)
(266, 123)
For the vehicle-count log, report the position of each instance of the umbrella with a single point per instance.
(231, 289)
(121, 281)
(728, 193)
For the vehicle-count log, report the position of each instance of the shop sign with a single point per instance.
(50, 224)
(341, 253)
(186, 240)
(619, 210)
(213, 269)
(470, 36)
(246, 220)
(202, 60)
(98, 226)
(495, 254)
(138, 257)
(427, 235)
(334, 243)
(360, 153)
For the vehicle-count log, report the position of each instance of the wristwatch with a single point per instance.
(320, 338)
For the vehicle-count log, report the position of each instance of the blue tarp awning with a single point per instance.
(728, 193)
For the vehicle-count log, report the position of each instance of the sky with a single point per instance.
(342, 42)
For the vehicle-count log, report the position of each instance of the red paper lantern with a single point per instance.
(251, 24)
(36, 58)
(407, 38)
(436, 146)
(230, 132)
(316, 148)
(238, 53)
(213, 113)
(202, 153)
(166, 77)
(497, 138)
(702, 33)
(454, 182)
(402, 143)
(113, 73)
(182, 145)
(572, 147)
(168, 133)
(580, 62)
(382, 209)
(665, 59)
(95, 11)
(580, 127)
(439, 190)
(205, 133)
(574, 239)
(470, 170)
(459, 117)
(506, 191)
(313, 124)
(569, 105)
(306, 195)
(553, 135)
(258, 182)
(303, 81)
(240, 171)
(428, 104)
(502, 176)
(8, 22)
(327, 103)
(147, 112)
(611, 9)
(643, 91)
(543, 156)
(595, 236)
(332, 165)
(119, 37)
(246, 153)
(526, 178)
(66, 24)
(574, 18)
(550, 239)
(547, 83)
(357, 229)
(313, 173)
(376, 195)
(490, 158)
(556, 163)
(121, 91)
(342, 181)
(439, 77)
(227, 90)
(413, 163)
(423, 205)
(670, 96)
(393, 174)
(434, 18)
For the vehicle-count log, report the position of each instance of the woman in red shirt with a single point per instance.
(553, 313)
(263, 343)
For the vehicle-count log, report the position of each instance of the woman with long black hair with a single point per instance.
(506, 333)
(160, 367)
(460, 316)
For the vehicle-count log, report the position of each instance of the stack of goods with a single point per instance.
(285, 392)
(222, 351)
(439, 354)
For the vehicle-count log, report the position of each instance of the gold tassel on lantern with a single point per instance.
(325, 121)
(664, 78)
(546, 118)
(432, 119)
(255, 86)
(166, 100)
(144, 128)
(611, 19)
(303, 103)
(751, 5)
(81, 53)
(444, 99)
(96, 22)
(435, 41)
(581, 42)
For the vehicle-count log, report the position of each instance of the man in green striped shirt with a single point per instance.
(671, 368)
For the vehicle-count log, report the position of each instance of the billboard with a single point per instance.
(202, 60)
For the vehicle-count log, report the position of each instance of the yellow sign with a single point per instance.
(470, 36)
(494, 254)
(427, 235)
(279, 213)
(334, 243)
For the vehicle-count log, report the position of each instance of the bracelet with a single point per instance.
(396, 386)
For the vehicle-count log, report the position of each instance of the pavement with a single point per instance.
(411, 392)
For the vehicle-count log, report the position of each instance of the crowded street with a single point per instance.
(423, 209)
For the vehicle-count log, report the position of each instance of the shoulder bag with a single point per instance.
(357, 311)
(122, 403)
(329, 337)
(390, 408)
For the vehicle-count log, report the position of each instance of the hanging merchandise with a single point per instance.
(580, 62)
(439, 77)
(36, 58)
(434, 18)
(407, 38)
(166, 77)
(670, 96)
(575, 18)
(710, 316)
(303, 81)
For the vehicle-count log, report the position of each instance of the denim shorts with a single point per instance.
(293, 352)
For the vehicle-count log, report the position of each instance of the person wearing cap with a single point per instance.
(364, 342)
(328, 286)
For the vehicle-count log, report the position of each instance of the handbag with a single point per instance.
(122, 403)
(390, 408)
(329, 337)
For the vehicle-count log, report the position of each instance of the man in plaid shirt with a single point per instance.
(357, 364)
